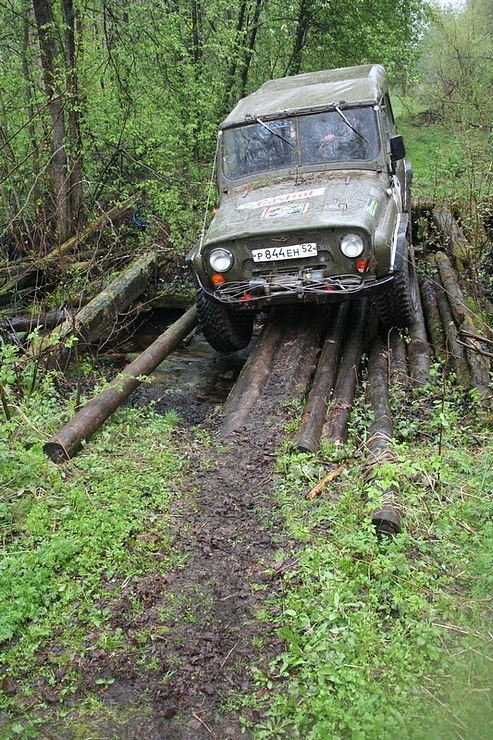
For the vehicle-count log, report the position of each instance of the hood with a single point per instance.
(348, 199)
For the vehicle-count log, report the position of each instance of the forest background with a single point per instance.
(101, 100)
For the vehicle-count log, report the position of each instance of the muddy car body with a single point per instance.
(314, 204)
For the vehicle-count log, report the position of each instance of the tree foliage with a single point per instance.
(99, 99)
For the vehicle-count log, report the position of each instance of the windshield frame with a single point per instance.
(276, 145)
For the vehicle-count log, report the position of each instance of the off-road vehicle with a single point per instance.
(314, 204)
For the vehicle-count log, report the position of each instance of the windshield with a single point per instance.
(340, 135)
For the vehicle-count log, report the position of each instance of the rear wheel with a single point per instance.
(398, 305)
(225, 329)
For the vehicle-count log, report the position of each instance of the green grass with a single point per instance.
(451, 160)
(387, 638)
(71, 535)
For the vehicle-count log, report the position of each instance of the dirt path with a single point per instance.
(203, 616)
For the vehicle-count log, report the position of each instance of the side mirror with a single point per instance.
(397, 148)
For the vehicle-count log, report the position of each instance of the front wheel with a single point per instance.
(225, 329)
(398, 304)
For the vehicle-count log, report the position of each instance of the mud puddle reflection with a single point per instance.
(192, 380)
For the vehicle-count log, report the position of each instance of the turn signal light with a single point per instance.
(217, 278)
(363, 265)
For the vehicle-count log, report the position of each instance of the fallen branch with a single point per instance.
(317, 490)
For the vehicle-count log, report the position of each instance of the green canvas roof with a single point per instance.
(311, 91)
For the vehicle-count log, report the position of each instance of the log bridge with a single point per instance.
(318, 353)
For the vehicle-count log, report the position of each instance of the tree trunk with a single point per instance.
(68, 441)
(302, 26)
(248, 52)
(75, 174)
(60, 83)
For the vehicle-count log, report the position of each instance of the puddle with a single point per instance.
(192, 380)
(199, 371)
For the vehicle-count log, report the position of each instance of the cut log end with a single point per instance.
(387, 520)
(56, 451)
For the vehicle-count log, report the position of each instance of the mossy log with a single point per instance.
(433, 318)
(387, 516)
(455, 353)
(312, 422)
(464, 320)
(96, 319)
(335, 427)
(451, 235)
(66, 443)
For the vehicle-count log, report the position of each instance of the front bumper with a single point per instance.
(275, 289)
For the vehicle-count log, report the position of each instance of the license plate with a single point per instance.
(293, 252)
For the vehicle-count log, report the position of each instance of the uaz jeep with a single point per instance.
(314, 204)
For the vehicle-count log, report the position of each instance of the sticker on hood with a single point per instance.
(288, 198)
(291, 209)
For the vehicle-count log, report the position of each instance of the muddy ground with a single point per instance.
(226, 525)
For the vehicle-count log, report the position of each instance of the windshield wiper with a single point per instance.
(339, 111)
(275, 133)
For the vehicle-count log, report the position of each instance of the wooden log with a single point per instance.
(451, 235)
(287, 357)
(335, 427)
(64, 445)
(44, 319)
(398, 372)
(387, 517)
(433, 318)
(464, 320)
(253, 377)
(97, 317)
(312, 422)
(455, 353)
(419, 350)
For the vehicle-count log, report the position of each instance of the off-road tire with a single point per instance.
(399, 303)
(225, 329)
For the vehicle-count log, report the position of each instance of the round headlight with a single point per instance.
(352, 245)
(220, 260)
